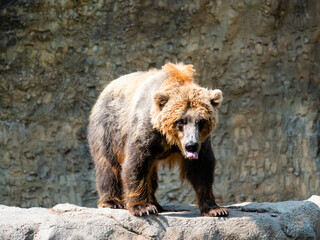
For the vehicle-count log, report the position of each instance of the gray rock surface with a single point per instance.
(56, 57)
(280, 220)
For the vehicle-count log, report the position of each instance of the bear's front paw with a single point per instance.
(143, 209)
(111, 204)
(216, 212)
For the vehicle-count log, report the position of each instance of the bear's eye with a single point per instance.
(180, 123)
(201, 123)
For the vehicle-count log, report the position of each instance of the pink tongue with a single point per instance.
(192, 155)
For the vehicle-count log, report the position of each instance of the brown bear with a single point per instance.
(144, 118)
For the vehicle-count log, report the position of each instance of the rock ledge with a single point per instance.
(280, 220)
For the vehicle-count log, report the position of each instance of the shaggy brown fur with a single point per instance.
(146, 118)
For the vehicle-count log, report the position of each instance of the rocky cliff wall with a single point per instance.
(56, 56)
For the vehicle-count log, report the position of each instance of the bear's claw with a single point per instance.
(144, 209)
(216, 212)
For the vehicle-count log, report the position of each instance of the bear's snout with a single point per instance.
(191, 150)
(192, 146)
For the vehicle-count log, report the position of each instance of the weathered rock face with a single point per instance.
(56, 56)
(283, 220)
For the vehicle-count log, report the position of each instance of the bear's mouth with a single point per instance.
(192, 155)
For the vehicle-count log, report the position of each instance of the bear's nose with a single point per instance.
(192, 146)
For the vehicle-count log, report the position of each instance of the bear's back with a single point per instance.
(128, 84)
(171, 75)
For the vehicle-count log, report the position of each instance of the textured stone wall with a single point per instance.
(56, 56)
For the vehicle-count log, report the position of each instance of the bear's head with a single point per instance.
(186, 116)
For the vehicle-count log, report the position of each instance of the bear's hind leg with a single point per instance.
(109, 185)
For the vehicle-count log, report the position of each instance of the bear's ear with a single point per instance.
(216, 97)
(160, 99)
